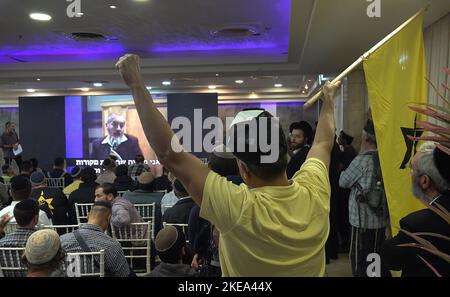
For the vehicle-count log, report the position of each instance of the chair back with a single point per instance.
(82, 210)
(55, 182)
(84, 264)
(135, 240)
(11, 262)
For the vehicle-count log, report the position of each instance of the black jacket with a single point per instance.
(407, 258)
(84, 194)
(58, 173)
(124, 183)
(179, 212)
(297, 161)
(128, 150)
(54, 203)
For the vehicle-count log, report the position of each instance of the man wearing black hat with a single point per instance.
(51, 200)
(299, 144)
(269, 225)
(431, 184)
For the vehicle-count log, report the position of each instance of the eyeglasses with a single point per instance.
(117, 124)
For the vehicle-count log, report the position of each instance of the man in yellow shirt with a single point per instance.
(271, 226)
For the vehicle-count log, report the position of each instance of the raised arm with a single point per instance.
(323, 141)
(186, 167)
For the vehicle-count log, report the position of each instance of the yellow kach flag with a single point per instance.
(395, 76)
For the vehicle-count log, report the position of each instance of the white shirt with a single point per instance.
(43, 219)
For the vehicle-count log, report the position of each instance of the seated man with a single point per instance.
(76, 175)
(51, 200)
(85, 192)
(21, 190)
(179, 212)
(137, 168)
(94, 237)
(144, 195)
(59, 170)
(26, 214)
(250, 216)
(43, 254)
(431, 184)
(123, 211)
(171, 247)
(109, 173)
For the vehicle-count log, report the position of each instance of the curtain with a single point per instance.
(437, 50)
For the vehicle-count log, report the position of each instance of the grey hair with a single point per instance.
(370, 138)
(426, 166)
(425, 147)
(112, 117)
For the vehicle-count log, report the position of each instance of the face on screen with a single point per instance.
(115, 126)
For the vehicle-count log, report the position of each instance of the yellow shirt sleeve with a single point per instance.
(222, 202)
(313, 175)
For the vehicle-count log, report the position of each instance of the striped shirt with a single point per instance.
(96, 239)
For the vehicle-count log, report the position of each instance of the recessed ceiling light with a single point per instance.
(277, 85)
(217, 74)
(306, 87)
(38, 79)
(309, 80)
(239, 81)
(112, 6)
(85, 89)
(303, 92)
(166, 83)
(40, 16)
(149, 88)
(97, 84)
(212, 87)
(31, 90)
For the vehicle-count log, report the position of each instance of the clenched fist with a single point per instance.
(129, 69)
(329, 89)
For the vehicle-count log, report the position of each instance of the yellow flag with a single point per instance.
(395, 76)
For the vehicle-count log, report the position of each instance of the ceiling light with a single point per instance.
(40, 16)
(85, 89)
(217, 74)
(97, 84)
(112, 6)
(38, 79)
(149, 88)
(277, 85)
(31, 90)
(239, 81)
(303, 92)
(212, 87)
(306, 87)
(253, 95)
(166, 83)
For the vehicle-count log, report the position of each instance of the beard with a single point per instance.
(418, 192)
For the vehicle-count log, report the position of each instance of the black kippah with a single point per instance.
(442, 162)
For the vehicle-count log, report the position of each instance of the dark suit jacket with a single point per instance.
(297, 161)
(57, 200)
(407, 258)
(128, 150)
(179, 212)
(84, 194)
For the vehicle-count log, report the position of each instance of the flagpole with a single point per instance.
(365, 56)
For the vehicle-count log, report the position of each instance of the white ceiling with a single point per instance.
(296, 42)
